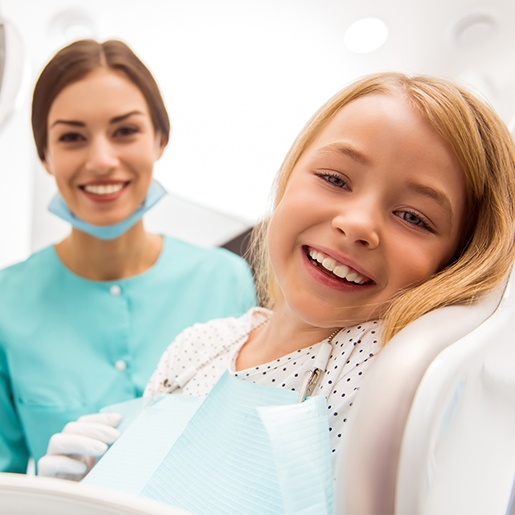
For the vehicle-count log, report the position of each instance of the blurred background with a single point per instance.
(240, 79)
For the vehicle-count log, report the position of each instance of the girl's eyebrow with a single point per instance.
(347, 150)
(430, 191)
(116, 119)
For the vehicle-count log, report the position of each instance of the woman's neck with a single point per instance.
(131, 254)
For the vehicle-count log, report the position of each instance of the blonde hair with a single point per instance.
(485, 151)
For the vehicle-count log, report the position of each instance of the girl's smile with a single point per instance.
(343, 274)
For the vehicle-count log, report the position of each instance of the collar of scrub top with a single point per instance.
(59, 208)
(311, 379)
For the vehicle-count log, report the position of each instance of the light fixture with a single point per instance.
(366, 35)
(474, 30)
(13, 70)
(69, 25)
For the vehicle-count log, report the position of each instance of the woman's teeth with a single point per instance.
(103, 189)
(341, 271)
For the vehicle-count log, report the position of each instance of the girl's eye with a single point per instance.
(414, 219)
(333, 179)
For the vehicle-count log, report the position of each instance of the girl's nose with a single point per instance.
(359, 224)
(102, 157)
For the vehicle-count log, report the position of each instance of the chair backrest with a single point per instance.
(458, 449)
(28, 495)
(367, 467)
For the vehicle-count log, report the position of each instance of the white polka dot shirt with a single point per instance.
(206, 351)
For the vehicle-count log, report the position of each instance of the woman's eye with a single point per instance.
(126, 131)
(414, 219)
(71, 137)
(334, 180)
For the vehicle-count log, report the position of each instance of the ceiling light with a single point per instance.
(366, 35)
(474, 30)
(69, 25)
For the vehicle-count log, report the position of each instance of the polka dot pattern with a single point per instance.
(212, 348)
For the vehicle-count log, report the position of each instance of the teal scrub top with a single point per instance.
(69, 346)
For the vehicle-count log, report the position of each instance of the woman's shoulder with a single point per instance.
(179, 248)
(31, 267)
(211, 265)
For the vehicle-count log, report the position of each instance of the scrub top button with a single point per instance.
(115, 289)
(120, 365)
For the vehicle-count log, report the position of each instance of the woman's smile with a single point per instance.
(104, 191)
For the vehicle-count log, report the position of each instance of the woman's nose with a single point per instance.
(359, 224)
(102, 157)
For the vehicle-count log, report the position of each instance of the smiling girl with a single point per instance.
(84, 321)
(396, 199)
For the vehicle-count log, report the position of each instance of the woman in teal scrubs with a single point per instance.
(84, 322)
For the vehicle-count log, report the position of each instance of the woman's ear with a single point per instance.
(160, 145)
(49, 167)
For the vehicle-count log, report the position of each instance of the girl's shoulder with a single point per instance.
(356, 345)
(221, 332)
(203, 343)
(367, 334)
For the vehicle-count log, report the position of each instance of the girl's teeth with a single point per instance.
(329, 263)
(352, 276)
(341, 271)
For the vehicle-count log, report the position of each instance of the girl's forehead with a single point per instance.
(380, 130)
(378, 118)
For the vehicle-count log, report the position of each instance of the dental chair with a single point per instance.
(30, 495)
(433, 430)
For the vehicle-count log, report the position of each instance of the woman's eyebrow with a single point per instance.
(115, 119)
(124, 116)
(68, 122)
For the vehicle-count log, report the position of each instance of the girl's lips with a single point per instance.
(335, 269)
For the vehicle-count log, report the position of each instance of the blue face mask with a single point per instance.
(58, 207)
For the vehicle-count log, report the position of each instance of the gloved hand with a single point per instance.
(72, 453)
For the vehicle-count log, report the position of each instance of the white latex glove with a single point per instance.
(72, 453)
